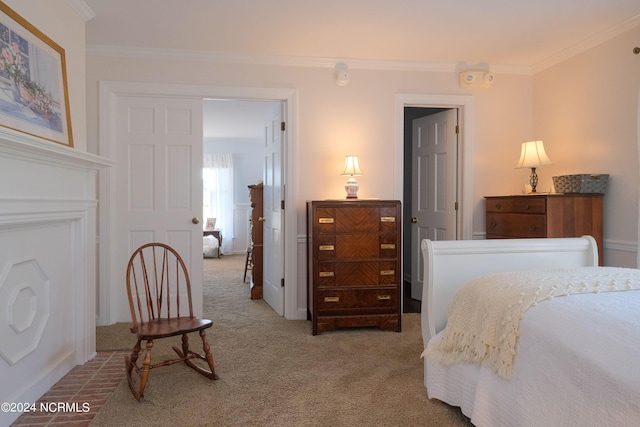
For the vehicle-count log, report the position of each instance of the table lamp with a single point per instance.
(532, 156)
(351, 169)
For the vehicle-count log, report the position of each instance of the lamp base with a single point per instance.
(352, 188)
(533, 180)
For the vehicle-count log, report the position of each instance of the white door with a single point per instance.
(159, 184)
(434, 198)
(273, 263)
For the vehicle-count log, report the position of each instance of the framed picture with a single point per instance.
(211, 224)
(34, 95)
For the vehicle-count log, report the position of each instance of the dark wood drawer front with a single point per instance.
(345, 274)
(388, 247)
(356, 246)
(388, 219)
(517, 205)
(516, 226)
(325, 220)
(499, 205)
(389, 274)
(357, 220)
(529, 205)
(344, 300)
(325, 247)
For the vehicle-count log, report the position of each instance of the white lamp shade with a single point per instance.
(533, 155)
(351, 166)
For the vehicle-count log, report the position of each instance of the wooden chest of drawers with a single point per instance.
(545, 215)
(354, 272)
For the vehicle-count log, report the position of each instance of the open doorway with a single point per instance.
(408, 108)
(114, 101)
(234, 137)
(242, 147)
(431, 150)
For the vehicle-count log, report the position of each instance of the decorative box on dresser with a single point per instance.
(257, 219)
(546, 215)
(353, 263)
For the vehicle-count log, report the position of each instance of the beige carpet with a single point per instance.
(273, 372)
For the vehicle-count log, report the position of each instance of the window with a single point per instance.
(217, 188)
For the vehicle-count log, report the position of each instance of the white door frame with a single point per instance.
(108, 93)
(465, 104)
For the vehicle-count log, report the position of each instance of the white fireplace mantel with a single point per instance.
(48, 228)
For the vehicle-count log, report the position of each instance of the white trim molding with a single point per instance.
(83, 9)
(182, 55)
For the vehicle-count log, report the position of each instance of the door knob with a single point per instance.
(261, 218)
(414, 220)
(195, 220)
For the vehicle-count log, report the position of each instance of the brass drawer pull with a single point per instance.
(384, 297)
(326, 274)
(526, 207)
(387, 272)
(388, 219)
(387, 246)
(326, 247)
(325, 220)
(533, 227)
(498, 206)
(331, 299)
(493, 224)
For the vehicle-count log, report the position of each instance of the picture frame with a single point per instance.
(210, 225)
(34, 97)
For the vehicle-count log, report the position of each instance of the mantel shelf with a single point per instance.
(23, 146)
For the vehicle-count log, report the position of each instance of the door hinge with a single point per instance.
(457, 129)
(455, 206)
(282, 282)
(282, 204)
(282, 126)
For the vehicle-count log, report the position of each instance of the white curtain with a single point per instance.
(217, 186)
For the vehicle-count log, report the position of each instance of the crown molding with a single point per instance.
(587, 44)
(317, 62)
(283, 61)
(82, 9)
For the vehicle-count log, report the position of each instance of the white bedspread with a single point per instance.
(210, 246)
(484, 316)
(572, 368)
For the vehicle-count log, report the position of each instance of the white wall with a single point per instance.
(359, 118)
(586, 111)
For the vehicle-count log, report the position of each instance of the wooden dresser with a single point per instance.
(257, 220)
(546, 215)
(354, 274)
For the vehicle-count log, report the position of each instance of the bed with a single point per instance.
(211, 245)
(576, 357)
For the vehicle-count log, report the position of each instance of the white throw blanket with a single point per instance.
(484, 316)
